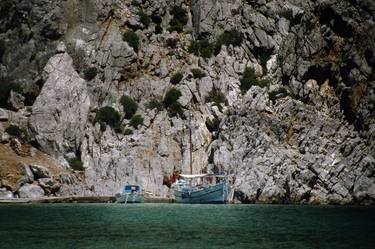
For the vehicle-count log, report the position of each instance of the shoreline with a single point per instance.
(79, 199)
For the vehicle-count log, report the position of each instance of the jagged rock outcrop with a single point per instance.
(306, 137)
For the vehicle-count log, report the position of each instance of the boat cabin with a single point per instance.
(129, 189)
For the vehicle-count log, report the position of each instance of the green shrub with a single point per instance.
(90, 73)
(75, 163)
(15, 131)
(155, 104)
(176, 78)
(201, 48)
(132, 39)
(198, 73)
(232, 37)
(107, 115)
(2, 50)
(250, 79)
(278, 93)
(171, 103)
(144, 19)
(129, 105)
(128, 132)
(6, 86)
(217, 97)
(179, 19)
(212, 124)
(136, 120)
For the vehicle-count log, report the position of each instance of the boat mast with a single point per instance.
(190, 142)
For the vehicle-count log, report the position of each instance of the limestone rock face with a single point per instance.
(39, 171)
(60, 112)
(302, 133)
(30, 191)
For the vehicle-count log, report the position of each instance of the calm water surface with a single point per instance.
(185, 226)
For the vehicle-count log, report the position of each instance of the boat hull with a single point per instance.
(130, 198)
(217, 193)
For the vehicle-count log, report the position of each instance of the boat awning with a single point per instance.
(200, 176)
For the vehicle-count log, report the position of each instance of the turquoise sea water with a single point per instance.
(185, 226)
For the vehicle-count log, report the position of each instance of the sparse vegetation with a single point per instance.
(144, 19)
(212, 124)
(201, 48)
(6, 86)
(136, 120)
(129, 105)
(179, 19)
(176, 78)
(197, 73)
(155, 104)
(171, 103)
(232, 37)
(250, 79)
(107, 115)
(15, 131)
(132, 39)
(128, 132)
(75, 163)
(217, 97)
(90, 73)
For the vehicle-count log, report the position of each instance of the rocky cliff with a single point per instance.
(280, 95)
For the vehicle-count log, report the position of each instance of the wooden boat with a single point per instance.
(202, 188)
(130, 194)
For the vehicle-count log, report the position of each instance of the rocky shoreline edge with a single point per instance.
(79, 199)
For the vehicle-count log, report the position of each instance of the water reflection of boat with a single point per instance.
(202, 188)
(130, 194)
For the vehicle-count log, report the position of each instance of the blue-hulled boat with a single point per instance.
(130, 194)
(203, 188)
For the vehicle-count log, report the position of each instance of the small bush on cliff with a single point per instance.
(179, 19)
(176, 78)
(155, 104)
(136, 120)
(90, 73)
(107, 115)
(15, 131)
(201, 48)
(128, 132)
(171, 103)
(198, 73)
(6, 86)
(250, 79)
(129, 105)
(132, 39)
(156, 19)
(75, 163)
(144, 19)
(217, 97)
(232, 37)
(212, 124)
